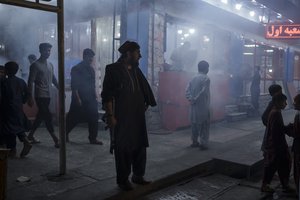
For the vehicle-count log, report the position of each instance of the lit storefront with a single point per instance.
(233, 49)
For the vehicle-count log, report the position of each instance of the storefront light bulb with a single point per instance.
(238, 6)
(179, 31)
(192, 31)
(206, 39)
(186, 35)
(252, 13)
(224, 1)
(270, 70)
(279, 16)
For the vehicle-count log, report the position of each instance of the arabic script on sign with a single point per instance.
(282, 31)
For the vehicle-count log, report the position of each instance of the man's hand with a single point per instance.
(146, 107)
(111, 121)
(192, 101)
(30, 101)
(77, 97)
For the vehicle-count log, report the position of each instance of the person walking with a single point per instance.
(126, 96)
(13, 95)
(41, 74)
(274, 89)
(276, 152)
(198, 94)
(84, 104)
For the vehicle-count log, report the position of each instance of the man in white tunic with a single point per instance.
(198, 94)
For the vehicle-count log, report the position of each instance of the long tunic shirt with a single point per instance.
(276, 130)
(83, 81)
(14, 95)
(198, 93)
(131, 93)
(255, 84)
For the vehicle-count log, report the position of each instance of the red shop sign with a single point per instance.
(278, 31)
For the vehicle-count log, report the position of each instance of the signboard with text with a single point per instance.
(282, 31)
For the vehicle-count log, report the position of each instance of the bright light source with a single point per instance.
(186, 35)
(179, 31)
(279, 16)
(252, 13)
(104, 40)
(238, 6)
(192, 31)
(224, 1)
(182, 38)
(248, 54)
(250, 45)
(206, 38)
(262, 18)
(269, 50)
(270, 70)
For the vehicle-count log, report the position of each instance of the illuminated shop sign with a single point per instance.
(283, 31)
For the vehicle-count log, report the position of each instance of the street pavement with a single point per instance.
(230, 168)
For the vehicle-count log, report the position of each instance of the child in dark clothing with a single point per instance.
(273, 90)
(276, 152)
(296, 142)
(13, 95)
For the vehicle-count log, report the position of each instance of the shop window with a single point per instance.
(183, 45)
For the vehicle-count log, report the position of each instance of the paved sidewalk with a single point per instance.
(91, 170)
(219, 187)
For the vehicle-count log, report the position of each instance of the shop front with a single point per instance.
(232, 51)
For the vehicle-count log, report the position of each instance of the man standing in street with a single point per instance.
(41, 74)
(84, 104)
(126, 96)
(198, 94)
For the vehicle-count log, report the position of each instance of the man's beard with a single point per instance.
(134, 63)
